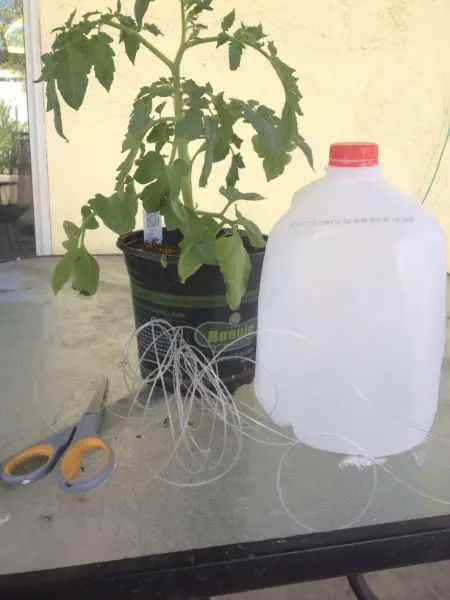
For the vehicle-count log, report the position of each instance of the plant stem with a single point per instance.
(209, 40)
(196, 155)
(181, 143)
(436, 171)
(199, 41)
(143, 41)
(230, 203)
(173, 155)
(83, 228)
(217, 216)
(81, 238)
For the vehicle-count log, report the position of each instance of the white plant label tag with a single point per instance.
(153, 232)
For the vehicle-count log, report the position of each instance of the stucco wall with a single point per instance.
(376, 70)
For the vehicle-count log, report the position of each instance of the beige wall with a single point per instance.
(368, 69)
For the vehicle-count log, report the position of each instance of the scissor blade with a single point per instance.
(97, 404)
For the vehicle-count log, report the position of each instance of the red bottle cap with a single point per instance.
(353, 154)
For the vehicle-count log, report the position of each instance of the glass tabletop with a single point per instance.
(230, 485)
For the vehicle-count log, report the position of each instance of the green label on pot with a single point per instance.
(176, 301)
(209, 325)
(218, 335)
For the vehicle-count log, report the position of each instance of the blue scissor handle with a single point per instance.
(84, 441)
(51, 448)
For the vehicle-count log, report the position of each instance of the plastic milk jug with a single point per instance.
(351, 323)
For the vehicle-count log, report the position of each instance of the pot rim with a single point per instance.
(124, 244)
(125, 240)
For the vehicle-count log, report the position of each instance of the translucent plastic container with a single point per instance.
(351, 321)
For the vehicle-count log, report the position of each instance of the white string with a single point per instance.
(366, 506)
(185, 366)
(206, 423)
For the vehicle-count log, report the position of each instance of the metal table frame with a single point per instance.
(201, 573)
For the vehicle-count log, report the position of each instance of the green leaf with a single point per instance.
(288, 79)
(235, 54)
(206, 248)
(251, 35)
(252, 230)
(195, 94)
(209, 223)
(195, 8)
(289, 135)
(102, 56)
(53, 104)
(151, 167)
(210, 142)
(267, 137)
(232, 194)
(237, 141)
(89, 220)
(235, 267)
(201, 231)
(189, 262)
(119, 214)
(161, 88)
(272, 50)
(221, 147)
(233, 174)
(131, 43)
(152, 28)
(180, 169)
(305, 148)
(71, 230)
(91, 13)
(225, 118)
(153, 195)
(138, 125)
(160, 107)
(71, 70)
(190, 127)
(47, 72)
(274, 167)
(86, 273)
(62, 272)
(236, 108)
(229, 20)
(140, 8)
(71, 18)
(160, 135)
(222, 39)
(288, 125)
(171, 221)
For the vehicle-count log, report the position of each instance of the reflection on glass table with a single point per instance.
(231, 505)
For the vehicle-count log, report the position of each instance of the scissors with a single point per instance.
(65, 451)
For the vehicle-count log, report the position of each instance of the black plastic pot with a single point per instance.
(199, 303)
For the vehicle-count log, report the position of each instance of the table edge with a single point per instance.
(245, 566)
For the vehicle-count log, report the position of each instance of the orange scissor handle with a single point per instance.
(72, 460)
(50, 449)
(40, 450)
